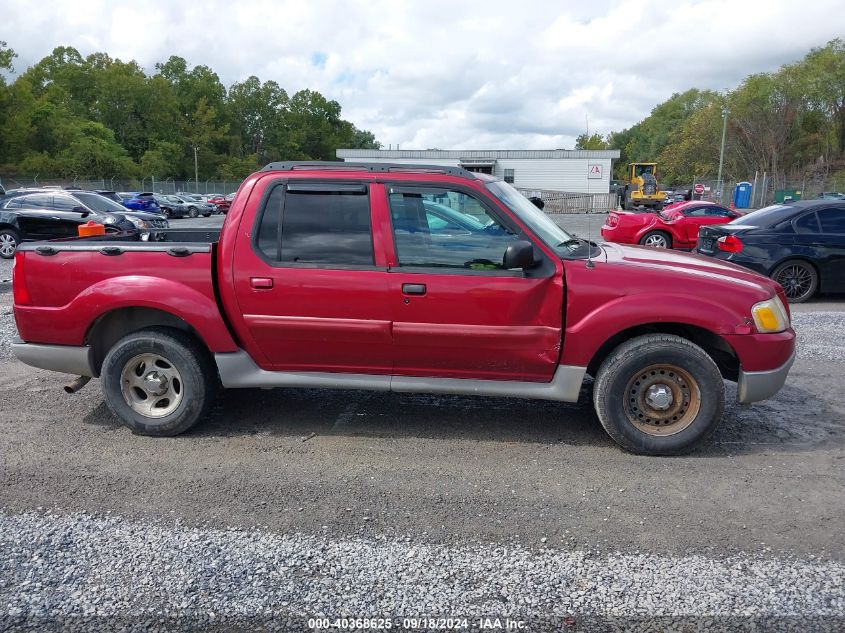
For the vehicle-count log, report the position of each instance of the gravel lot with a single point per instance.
(295, 503)
(102, 568)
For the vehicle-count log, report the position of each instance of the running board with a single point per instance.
(238, 370)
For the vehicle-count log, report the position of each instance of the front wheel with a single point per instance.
(659, 394)
(158, 381)
(193, 212)
(657, 239)
(9, 240)
(798, 278)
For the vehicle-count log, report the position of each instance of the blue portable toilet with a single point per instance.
(742, 195)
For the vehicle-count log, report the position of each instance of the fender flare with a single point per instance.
(584, 338)
(193, 307)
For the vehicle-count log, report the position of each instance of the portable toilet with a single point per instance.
(742, 195)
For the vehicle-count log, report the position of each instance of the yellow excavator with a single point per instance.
(642, 189)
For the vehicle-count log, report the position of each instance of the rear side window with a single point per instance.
(832, 221)
(807, 223)
(321, 224)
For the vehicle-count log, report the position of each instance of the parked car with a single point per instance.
(674, 227)
(50, 215)
(831, 195)
(142, 201)
(220, 202)
(65, 199)
(350, 288)
(195, 206)
(172, 206)
(801, 245)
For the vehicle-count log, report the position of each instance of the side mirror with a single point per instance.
(520, 254)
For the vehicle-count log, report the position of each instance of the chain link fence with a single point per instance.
(163, 186)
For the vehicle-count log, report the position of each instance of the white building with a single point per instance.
(580, 171)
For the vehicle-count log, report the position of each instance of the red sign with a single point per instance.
(698, 188)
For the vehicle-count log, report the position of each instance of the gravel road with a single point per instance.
(294, 503)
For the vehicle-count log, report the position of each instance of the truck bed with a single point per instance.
(71, 280)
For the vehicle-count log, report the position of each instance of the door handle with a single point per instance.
(261, 283)
(413, 289)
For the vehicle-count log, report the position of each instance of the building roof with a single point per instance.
(476, 154)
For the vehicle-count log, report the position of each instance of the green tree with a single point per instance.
(594, 141)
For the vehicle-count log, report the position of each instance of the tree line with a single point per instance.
(789, 124)
(73, 116)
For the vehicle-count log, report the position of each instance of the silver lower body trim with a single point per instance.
(238, 370)
(68, 359)
(753, 386)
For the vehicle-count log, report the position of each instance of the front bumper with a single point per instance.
(67, 359)
(753, 386)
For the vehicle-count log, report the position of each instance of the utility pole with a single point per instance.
(197, 172)
(722, 150)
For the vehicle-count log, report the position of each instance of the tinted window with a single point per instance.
(64, 203)
(832, 221)
(807, 223)
(12, 203)
(99, 203)
(39, 200)
(320, 224)
(450, 229)
(267, 239)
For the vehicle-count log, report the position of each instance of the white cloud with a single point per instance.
(449, 75)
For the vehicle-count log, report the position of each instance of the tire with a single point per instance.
(167, 213)
(9, 240)
(192, 212)
(630, 379)
(189, 386)
(798, 278)
(657, 239)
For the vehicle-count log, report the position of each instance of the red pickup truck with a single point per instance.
(408, 279)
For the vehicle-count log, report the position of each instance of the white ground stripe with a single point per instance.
(76, 565)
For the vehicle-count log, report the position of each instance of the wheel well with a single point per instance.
(715, 346)
(112, 326)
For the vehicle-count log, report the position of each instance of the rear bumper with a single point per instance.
(67, 359)
(754, 386)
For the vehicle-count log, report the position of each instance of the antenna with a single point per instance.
(590, 263)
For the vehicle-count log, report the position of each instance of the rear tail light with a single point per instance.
(612, 219)
(20, 292)
(729, 244)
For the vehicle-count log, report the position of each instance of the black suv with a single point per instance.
(43, 214)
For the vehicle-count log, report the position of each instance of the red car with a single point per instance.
(221, 203)
(674, 227)
(401, 278)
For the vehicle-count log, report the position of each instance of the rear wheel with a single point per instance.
(798, 278)
(659, 395)
(657, 239)
(158, 381)
(9, 240)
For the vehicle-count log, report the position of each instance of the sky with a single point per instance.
(450, 75)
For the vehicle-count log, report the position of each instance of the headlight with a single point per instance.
(770, 316)
(138, 222)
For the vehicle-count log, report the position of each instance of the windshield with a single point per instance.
(540, 223)
(101, 204)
